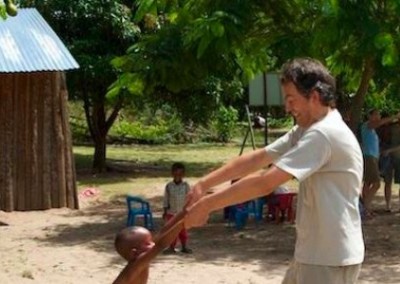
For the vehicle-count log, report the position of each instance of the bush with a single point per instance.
(283, 122)
(77, 122)
(223, 125)
(151, 127)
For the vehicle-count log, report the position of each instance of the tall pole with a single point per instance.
(265, 108)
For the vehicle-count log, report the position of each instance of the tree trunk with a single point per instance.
(99, 159)
(37, 167)
(99, 125)
(359, 98)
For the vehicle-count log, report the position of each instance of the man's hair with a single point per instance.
(308, 75)
(177, 166)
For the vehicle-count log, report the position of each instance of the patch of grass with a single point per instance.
(197, 157)
(147, 168)
(144, 170)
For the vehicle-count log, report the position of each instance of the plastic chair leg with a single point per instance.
(260, 209)
(151, 222)
(129, 220)
(240, 219)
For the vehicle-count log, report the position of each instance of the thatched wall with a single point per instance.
(37, 168)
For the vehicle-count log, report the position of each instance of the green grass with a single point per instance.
(144, 169)
(197, 157)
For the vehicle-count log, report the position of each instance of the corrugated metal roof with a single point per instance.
(28, 44)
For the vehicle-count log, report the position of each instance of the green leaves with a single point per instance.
(3, 13)
(144, 7)
(131, 82)
(217, 29)
(208, 30)
(385, 42)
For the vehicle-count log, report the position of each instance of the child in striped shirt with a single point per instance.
(174, 201)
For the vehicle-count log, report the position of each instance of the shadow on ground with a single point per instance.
(139, 169)
(265, 243)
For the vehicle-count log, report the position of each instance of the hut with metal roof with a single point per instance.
(36, 163)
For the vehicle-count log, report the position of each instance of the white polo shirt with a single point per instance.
(327, 160)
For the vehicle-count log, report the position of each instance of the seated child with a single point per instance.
(272, 201)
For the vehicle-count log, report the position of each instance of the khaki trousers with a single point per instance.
(299, 273)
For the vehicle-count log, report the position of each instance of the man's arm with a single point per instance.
(390, 150)
(234, 169)
(382, 121)
(246, 189)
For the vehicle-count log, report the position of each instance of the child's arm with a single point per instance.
(123, 277)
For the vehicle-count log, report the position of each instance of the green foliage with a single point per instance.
(150, 127)
(283, 122)
(224, 123)
(95, 31)
(77, 122)
(387, 101)
(3, 12)
(196, 45)
(136, 131)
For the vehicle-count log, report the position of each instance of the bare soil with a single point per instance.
(67, 246)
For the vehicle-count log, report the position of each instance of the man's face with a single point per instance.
(375, 116)
(297, 105)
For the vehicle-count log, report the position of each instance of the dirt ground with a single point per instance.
(66, 246)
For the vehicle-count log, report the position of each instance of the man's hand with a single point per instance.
(197, 214)
(195, 194)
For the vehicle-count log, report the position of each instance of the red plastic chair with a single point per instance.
(284, 207)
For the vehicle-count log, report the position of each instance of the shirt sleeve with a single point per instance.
(309, 154)
(284, 143)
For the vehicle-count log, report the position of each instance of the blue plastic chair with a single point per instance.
(239, 213)
(139, 207)
(260, 203)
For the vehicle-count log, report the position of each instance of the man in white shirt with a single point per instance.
(323, 154)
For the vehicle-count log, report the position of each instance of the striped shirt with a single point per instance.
(174, 196)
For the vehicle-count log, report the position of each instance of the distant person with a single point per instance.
(273, 201)
(259, 121)
(370, 148)
(390, 158)
(174, 201)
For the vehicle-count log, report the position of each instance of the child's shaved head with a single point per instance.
(132, 241)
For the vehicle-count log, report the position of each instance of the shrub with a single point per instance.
(282, 122)
(224, 124)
